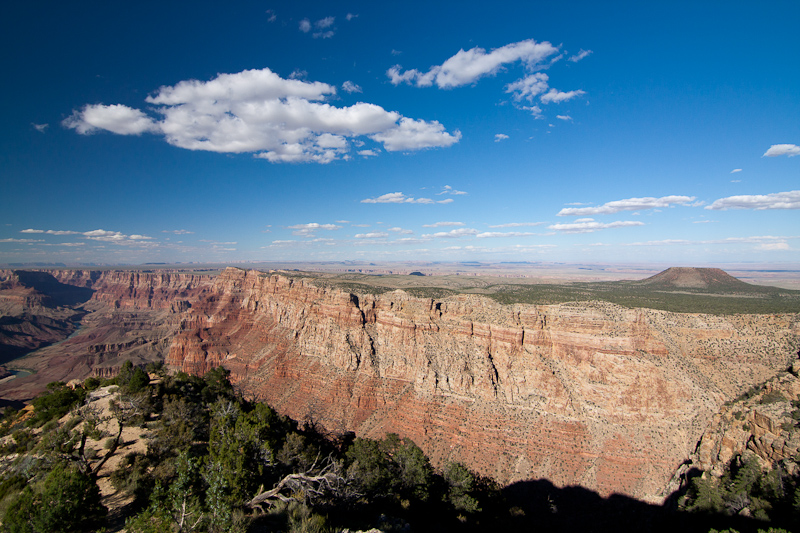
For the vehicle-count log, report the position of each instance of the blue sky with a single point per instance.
(447, 131)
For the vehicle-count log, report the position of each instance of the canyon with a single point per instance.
(611, 398)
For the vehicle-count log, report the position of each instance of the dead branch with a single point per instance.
(310, 484)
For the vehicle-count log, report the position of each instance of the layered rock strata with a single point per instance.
(609, 398)
(125, 315)
(597, 395)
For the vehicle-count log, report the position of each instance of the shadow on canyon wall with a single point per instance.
(58, 294)
(49, 315)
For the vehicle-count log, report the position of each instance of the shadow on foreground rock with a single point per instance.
(541, 506)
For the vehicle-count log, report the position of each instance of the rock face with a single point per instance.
(35, 311)
(610, 398)
(763, 421)
(122, 316)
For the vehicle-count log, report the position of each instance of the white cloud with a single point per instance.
(447, 189)
(778, 200)
(272, 16)
(468, 66)
(40, 127)
(536, 111)
(500, 137)
(629, 204)
(367, 153)
(21, 240)
(305, 25)
(580, 55)
(177, 231)
(529, 87)
(372, 235)
(116, 118)
(350, 87)
(401, 231)
(30, 230)
(735, 170)
(350, 16)
(564, 117)
(588, 226)
(442, 224)
(517, 225)
(281, 120)
(413, 134)
(327, 22)
(323, 34)
(554, 95)
(774, 246)
(314, 226)
(400, 198)
(494, 234)
(764, 242)
(782, 149)
(452, 234)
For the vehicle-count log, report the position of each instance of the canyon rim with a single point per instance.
(610, 398)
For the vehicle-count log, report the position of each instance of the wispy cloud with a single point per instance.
(447, 189)
(442, 224)
(257, 111)
(580, 55)
(500, 137)
(775, 150)
(452, 234)
(469, 66)
(764, 242)
(495, 234)
(589, 225)
(41, 128)
(629, 204)
(350, 87)
(759, 202)
(517, 225)
(177, 231)
(372, 235)
(114, 237)
(556, 96)
(735, 170)
(309, 229)
(400, 198)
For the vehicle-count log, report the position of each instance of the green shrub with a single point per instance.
(65, 501)
(773, 397)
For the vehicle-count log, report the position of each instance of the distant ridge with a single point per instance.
(712, 279)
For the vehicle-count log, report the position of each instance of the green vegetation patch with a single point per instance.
(761, 300)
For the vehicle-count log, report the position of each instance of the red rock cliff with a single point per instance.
(609, 398)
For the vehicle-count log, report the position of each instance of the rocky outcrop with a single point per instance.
(764, 420)
(610, 398)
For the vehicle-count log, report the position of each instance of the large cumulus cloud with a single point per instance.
(281, 120)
